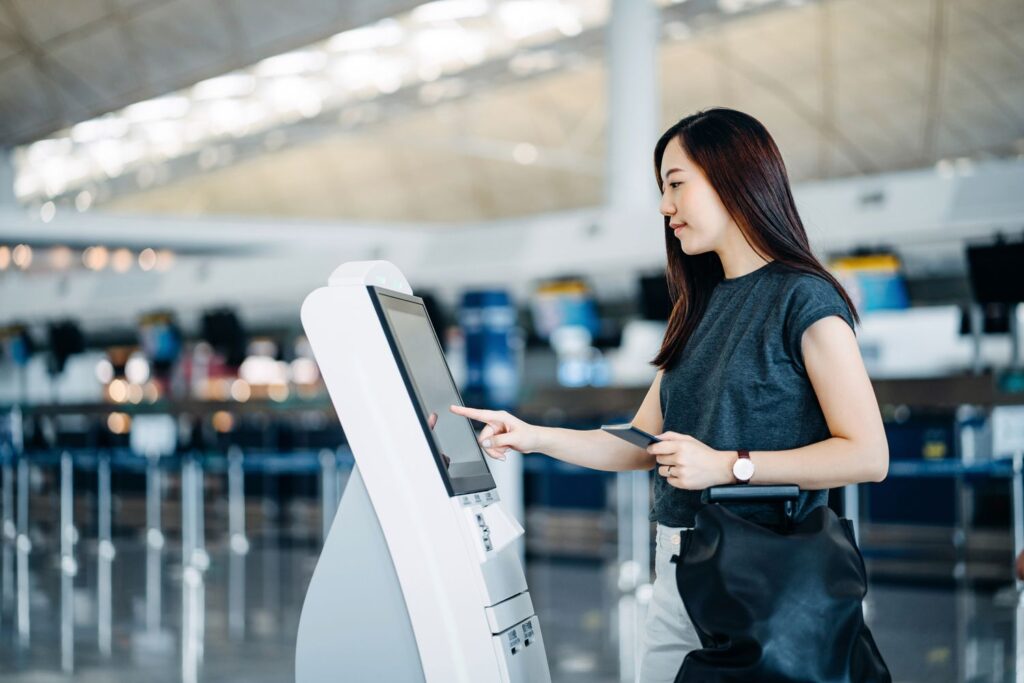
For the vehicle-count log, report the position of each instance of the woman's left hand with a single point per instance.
(686, 463)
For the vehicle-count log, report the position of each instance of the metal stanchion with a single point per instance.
(270, 552)
(634, 557)
(193, 551)
(154, 545)
(192, 607)
(8, 531)
(1018, 547)
(627, 572)
(200, 558)
(328, 491)
(9, 450)
(641, 539)
(977, 322)
(68, 565)
(23, 548)
(851, 507)
(851, 511)
(969, 647)
(191, 624)
(238, 544)
(188, 546)
(104, 556)
(152, 437)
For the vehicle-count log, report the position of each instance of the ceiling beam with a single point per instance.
(934, 80)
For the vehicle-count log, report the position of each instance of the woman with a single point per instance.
(759, 364)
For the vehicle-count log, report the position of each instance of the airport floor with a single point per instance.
(928, 635)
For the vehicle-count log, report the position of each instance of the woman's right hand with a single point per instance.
(502, 431)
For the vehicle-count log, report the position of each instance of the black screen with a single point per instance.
(430, 384)
(996, 273)
(655, 301)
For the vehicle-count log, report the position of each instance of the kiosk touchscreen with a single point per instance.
(419, 578)
(414, 344)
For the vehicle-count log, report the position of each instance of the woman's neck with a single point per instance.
(738, 262)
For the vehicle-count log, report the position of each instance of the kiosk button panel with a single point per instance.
(485, 532)
(483, 498)
(490, 526)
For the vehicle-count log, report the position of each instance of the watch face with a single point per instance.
(743, 469)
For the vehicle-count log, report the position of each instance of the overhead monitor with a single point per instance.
(995, 272)
(429, 382)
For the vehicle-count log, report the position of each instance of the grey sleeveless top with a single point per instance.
(740, 381)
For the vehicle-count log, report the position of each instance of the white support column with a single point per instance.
(633, 105)
(631, 196)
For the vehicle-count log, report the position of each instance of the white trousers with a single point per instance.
(668, 633)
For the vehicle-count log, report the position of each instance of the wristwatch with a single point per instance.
(743, 468)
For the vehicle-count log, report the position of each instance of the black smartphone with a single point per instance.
(634, 435)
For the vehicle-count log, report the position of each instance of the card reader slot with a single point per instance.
(509, 612)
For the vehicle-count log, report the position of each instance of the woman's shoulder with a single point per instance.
(801, 288)
(807, 297)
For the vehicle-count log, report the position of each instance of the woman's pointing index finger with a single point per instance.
(475, 413)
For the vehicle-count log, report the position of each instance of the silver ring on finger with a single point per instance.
(670, 474)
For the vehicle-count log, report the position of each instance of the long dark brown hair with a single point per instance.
(744, 166)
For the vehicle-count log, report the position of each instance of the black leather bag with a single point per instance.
(774, 603)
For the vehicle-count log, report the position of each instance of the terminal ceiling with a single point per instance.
(848, 87)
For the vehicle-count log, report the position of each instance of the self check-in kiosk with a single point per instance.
(419, 578)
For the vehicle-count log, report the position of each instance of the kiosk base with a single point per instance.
(354, 624)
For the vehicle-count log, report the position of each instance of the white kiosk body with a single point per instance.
(418, 579)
